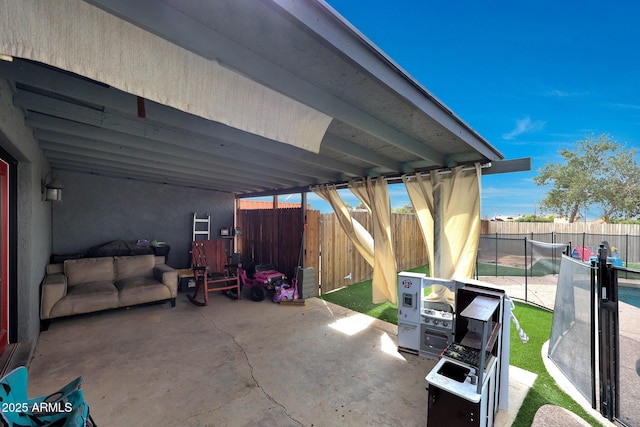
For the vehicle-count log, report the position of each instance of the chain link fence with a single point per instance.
(527, 264)
(509, 249)
(520, 255)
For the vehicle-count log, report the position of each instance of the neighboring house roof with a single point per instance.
(242, 96)
(260, 204)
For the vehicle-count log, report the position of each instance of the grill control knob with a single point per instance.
(435, 322)
(445, 323)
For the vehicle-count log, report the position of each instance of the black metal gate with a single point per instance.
(619, 353)
(595, 336)
(608, 327)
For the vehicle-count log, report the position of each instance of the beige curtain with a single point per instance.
(456, 221)
(359, 236)
(76, 36)
(448, 209)
(421, 195)
(375, 195)
(360, 190)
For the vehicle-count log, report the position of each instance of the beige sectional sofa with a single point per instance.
(92, 284)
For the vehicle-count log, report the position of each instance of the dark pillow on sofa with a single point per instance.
(118, 248)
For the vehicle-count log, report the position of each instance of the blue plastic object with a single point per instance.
(615, 261)
(64, 408)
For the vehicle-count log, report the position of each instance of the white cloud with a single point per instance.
(525, 125)
(524, 191)
(626, 106)
(558, 93)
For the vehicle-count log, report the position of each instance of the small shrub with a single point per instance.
(535, 218)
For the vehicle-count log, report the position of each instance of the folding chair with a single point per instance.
(211, 271)
(64, 408)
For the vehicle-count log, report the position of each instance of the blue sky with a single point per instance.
(530, 76)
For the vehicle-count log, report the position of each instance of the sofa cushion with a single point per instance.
(133, 266)
(87, 270)
(86, 298)
(54, 268)
(138, 290)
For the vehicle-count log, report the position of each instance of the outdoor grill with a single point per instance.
(436, 328)
(463, 354)
(470, 381)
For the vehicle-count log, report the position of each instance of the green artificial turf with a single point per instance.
(535, 321)
(357, 297)
(540, 268)
(498, 270)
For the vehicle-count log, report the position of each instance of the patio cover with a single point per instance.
(75, 36)
(249, 97)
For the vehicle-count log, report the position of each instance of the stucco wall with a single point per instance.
(33, 215)
(95, 210)
(98, 209)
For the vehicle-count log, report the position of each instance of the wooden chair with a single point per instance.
(210, 270)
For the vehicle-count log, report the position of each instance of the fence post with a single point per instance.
(553, 253)
(526, 282)
(626, 255)
(594, 301)
(496, 254)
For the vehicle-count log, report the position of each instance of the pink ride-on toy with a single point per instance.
(260, 279)
(286, 292)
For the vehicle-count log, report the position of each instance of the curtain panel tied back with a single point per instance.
(359, 236)
(377, 250)
(374, 193)
(447, 206)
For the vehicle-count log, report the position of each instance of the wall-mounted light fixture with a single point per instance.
(51, 188)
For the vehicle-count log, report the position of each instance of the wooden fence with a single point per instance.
(264, 240)
(273, 236)
(500, 227)
(342, 265)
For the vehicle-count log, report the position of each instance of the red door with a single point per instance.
(4, 254)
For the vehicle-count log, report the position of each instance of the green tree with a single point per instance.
(535, 218)
(406, 209)
(597, 172)
(622, 198)
(361, 206)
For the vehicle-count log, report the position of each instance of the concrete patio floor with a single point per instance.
(239, 363)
